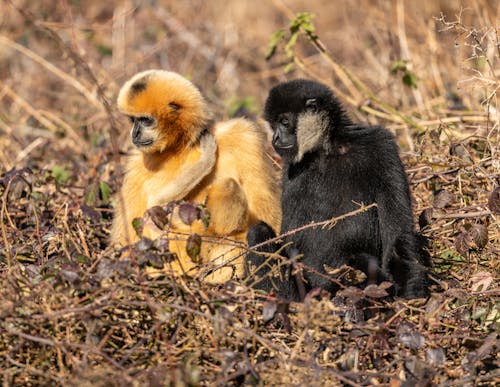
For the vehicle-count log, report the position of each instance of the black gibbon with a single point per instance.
(181, 155)
(331, 166)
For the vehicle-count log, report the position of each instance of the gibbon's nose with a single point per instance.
(282, 141)
(136, 132)
(275, 137)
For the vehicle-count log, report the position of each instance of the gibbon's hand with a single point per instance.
(181, 185)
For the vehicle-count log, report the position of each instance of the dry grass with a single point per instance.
(71, 313)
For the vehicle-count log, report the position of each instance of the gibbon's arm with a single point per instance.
(190, 177)
(228, 207)
(401, 254)
(395, 217)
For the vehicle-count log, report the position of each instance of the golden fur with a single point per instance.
(180, 156)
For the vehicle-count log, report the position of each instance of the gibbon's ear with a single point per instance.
(174, 106)
(312, 105)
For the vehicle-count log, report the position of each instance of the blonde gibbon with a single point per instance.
(180, 154)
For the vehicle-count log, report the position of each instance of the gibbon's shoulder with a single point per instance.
(357, 131)
(371, 137)
(239, 132)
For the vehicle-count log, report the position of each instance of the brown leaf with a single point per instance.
(188, 213)
(91, 213)
(410, 337)
(155, 261)
(143, 244)
(162, 244)
(481, 281)
(151, 259)
(494, 201)
(105, 269)
(385, 285)
(355, 277)
(425, 217)
(417, 372)
(72, 276)
(434, 135)
(269, 310)
(459, 150)
(158, 216)
(375, 291)
(335, 271)
(443, 199)
(479, 235)
(469, 362)
(435, 356)
(351, 275)
(463, 243)
(352, 293)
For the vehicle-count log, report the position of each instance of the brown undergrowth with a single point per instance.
(72, 313)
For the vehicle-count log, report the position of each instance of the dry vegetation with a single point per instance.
(71, 313)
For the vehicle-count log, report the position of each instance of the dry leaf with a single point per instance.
(443, 199)
(479, 235)
(425, 217)
(494, 201)
(481, 281)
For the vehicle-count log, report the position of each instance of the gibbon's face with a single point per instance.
(298, 112)
(166, 110)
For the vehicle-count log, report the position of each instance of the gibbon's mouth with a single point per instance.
(142, 143)
(284, 146)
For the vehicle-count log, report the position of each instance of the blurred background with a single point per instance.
(62, 62)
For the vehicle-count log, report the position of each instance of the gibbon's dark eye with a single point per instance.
(284, 121)
(174, 106)
(312, 104)
(146, 121)
(131, 118)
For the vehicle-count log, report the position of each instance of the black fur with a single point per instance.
(350, 164)
(138, 86)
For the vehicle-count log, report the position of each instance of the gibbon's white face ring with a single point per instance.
(143, 132)
(143, 138)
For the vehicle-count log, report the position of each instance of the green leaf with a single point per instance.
(60, 175)
(193, 247)
(205, 216)
(289, 67)
(290, 45)
(302, 20)
(138, 226)
(276, 38)
(399, 65)
(105, 50)
(91, 195)
(410, 80)
(247, 104)
(106, 191)
(83, 259)
(301, 24)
